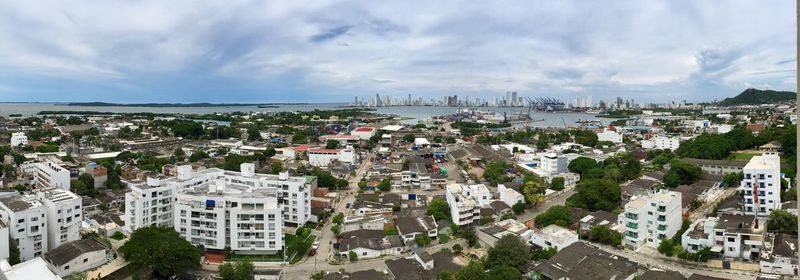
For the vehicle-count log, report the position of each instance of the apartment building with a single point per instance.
(650, 218)
(735, 237)
(26, 218)
(63, 216)
(553, 164)
(761, 183)
(466, 201)
(151, 203)
(49, 174)
(19, 139)
(324, 157)
(220, 215)
(662, 143)
(609, 135)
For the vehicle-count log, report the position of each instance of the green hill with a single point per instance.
(753, 96)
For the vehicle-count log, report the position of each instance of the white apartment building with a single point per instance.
(324, 157)
(735, 237)
(151, 203)
(554, 236)
(19, 139)
(609, 135)
(651, 218)
(553, 164)
(219, 215)
(49, 174)
(662, 143)
(27, 223)
(63, 216)
(509, 196)
(466, 201)
(761, 183)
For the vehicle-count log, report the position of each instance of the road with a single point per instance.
(665, 264)
(558, 200)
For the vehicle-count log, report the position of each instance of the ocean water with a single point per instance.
(414, 113)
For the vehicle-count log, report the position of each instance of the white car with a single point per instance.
(315, 246)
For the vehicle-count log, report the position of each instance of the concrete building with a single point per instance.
(19, 139)
(781, 256)
(411, 227)
(761, 183)
(610, 136)
(324, 157)
(553, 164)
(364, 133)
(369, 244)
(77, 256)
(466, 201)
(26, 218)
(64, 216)
(353, 223)
(554, 236)
(4, 248)
(32, 269)
(220, 215)
(734, 237)
(489, 234)
(651, 218)
(49, 174)
(509, 196)
(662, 143)
(151, 203)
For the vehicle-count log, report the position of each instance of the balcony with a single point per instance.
(632, 225)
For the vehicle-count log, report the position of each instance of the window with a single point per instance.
(66, 268)
(85, 260)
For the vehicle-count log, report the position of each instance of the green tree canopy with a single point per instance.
(238, 270)
(509, 250)
(162, 249)
(596, 194)
(782, 221)
(559, 215)
(439, 209)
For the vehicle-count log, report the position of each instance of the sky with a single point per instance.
(331, 51)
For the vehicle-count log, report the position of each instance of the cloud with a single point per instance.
(218, 51)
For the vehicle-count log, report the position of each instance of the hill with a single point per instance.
(753, 96)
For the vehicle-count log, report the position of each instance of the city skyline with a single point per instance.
(329, 52)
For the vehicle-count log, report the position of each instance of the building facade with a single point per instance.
(26, 218)
(761, 184)
(64, 216)
(49, 174)
(651, 218)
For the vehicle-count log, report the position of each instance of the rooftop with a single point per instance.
(73, 249)
(17, 203)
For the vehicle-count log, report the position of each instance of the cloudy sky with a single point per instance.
(323, 51)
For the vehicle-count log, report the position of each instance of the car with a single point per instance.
(315, 246)
(347, 205)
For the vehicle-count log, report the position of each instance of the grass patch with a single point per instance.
(744, 155)
(297, 246)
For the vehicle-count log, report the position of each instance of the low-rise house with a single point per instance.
(353, 223)
(500, 209)
(553, 236)
(637, 187)
(411, 227)
(356, 275)
(718, 167)
(583, 261)
(369, 244)
(509, 196)
(728, 236)
(489, 234)
(422, 266)
(780, 255)
(598, 218)
(77, 256)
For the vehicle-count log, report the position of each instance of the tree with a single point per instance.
(782, 221)
(338, 219)
(518, 208)
(422, 240)
(352, 256)
(13, 251)
(457, 248)
(276, 167)
(503, 273)
(336, 229)
(469, 235)
(495, 172)
(557, 183)
(76, 276)
(179, 154)
(385, 185)
(509, 250)
(162, 249)
(238, 270)
(534, 191)
(332, 144)
(733, 179)
(596, 194)
(409, 138)
(84, 185)
(439, 209)
(582, 164)
(543, 254)
(198, 155)
(681, 173)
(605, 235)
(559, 215)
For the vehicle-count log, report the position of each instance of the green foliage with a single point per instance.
(352, 256)
(457, 248)
(233, 162)
(198, 155)
(84, 185)
(782, 221)
(585, 137)
(557, 183)
(559, 215)
(503, 273)
(326, 180)
(596, 194)
(582, 165)
(681, 173)
(518, 208)
(469, 235)
(439, 209)
(753, 96)
(162, 249)
(543, 254)
(733, 179)
(409, 138)
(238, 270)
(332, 144)
(118, 235)
(392, 230)
(509, 250)
(13, 251)
(605, 235)
(422, 240)
(718, 146)
(275, 167)
(496, 172)
(338, 219)
(443, 238)
(385, 185)
(336, 229)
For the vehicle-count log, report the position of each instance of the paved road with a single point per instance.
(558, 200)
(651, 262)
